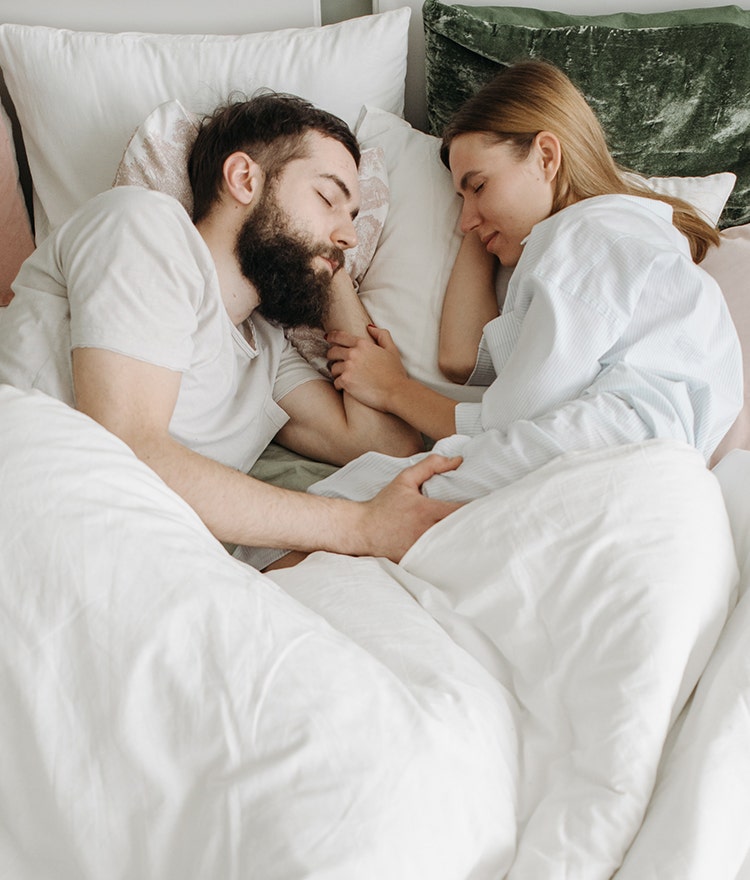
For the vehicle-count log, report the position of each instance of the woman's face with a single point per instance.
(504, 197)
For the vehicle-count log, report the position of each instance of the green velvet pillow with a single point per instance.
(671, 89)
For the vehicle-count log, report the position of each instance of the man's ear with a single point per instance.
(243, 177)
(550, 153)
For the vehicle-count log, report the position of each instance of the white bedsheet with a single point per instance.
(698, 822)
(497, 705)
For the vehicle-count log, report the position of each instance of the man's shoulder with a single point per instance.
(136, 199)
(130, 213)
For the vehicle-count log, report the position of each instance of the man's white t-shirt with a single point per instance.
(130, 273)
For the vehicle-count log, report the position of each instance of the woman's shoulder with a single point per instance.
(586, 231)
(618, 213)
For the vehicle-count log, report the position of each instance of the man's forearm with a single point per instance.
(242, 510)
(376, 430)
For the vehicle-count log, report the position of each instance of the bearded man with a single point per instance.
(168, 330)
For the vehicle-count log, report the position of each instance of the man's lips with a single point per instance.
(333, 264)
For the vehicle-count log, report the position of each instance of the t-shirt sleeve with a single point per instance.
(292, 372)
(135, 271)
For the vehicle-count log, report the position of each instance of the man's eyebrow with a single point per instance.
(343, 187)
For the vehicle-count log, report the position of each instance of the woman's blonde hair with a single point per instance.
(533, 96)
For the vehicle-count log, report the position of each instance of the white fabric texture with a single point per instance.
(572, 604)
(708, 194)
(697, 822)
(500, 713)
(85, 92)
(169, 712)
(605, 300)
(154, 297)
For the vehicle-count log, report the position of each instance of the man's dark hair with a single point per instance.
(271, 128)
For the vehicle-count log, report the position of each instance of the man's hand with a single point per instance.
(392, 521)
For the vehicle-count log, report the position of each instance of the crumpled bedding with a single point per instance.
(497, 705)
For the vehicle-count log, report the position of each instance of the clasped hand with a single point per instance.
(369, 369)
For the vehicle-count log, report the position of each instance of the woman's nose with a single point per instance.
(469, 218)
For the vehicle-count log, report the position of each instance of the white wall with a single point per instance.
(338, 10)
(164, 16)
(181, 16)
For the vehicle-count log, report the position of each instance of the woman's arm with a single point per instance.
(470, 302)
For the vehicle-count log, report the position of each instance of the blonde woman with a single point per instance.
(610, 332)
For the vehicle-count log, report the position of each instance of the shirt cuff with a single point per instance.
(258, 557)
(469, 418)
(484, 372)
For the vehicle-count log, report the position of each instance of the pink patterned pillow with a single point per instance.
(156, 158)
(729, 264)
(374, 196)
(16, 240)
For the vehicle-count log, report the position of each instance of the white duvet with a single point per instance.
(495, 706)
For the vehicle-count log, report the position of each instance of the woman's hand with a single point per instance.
(369, 369)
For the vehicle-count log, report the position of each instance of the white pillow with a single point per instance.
(79, 95)
(707, 194)
(404, 286)
(729, 265)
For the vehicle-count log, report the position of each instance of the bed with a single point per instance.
(554, 682)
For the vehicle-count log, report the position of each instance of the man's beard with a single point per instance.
(277, 259)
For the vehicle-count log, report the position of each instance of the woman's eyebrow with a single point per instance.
(464, 182)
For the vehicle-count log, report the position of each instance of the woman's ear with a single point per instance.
(243, 177)
(550, 153)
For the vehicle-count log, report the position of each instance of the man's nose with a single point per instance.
(345, 235)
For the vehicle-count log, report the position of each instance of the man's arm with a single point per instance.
(332, 426)
(135, 401)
